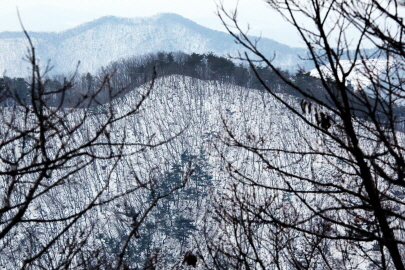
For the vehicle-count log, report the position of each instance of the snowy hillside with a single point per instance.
(201, 121)
(357, 76)
(195, 110)
(97, 43)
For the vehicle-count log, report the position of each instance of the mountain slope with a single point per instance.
(193, 109)
(97, 43)
(360, 75)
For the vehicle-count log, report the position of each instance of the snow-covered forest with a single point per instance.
(173, 141)
(195, 160)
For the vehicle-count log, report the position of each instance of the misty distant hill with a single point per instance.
(97, 43)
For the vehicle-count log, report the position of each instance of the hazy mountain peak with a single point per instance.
(169, 16)
(99, 42)
(176, 18)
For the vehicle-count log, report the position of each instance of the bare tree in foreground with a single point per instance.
(59, 168)
(332, 197)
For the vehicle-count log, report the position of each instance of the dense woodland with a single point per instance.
(136, 71)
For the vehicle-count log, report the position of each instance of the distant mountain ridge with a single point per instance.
(97, 43)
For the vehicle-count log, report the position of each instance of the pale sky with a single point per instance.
(59, 15)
